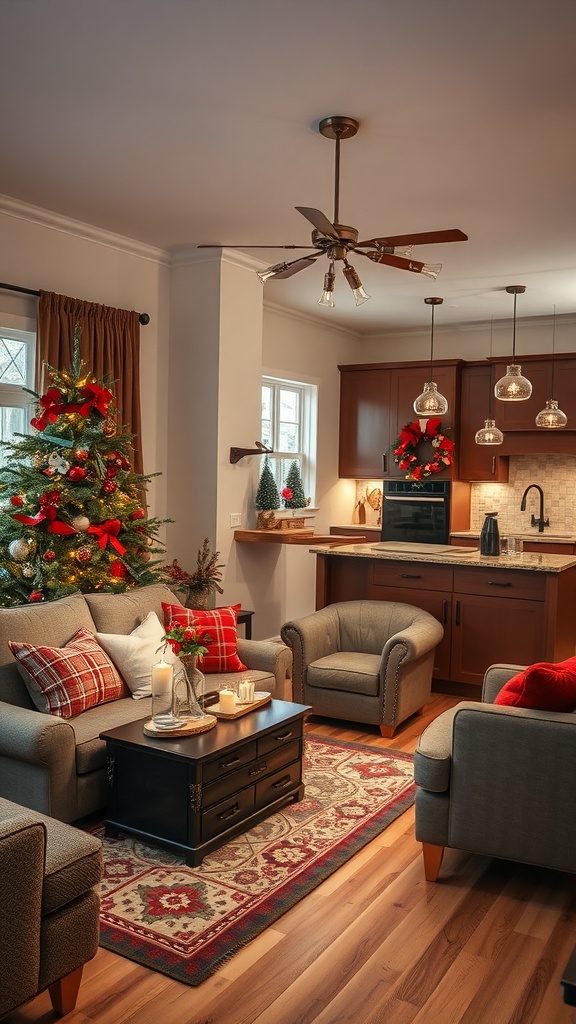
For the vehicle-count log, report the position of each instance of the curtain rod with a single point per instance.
(144, 318)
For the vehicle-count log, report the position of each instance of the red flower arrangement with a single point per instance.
(187, 641)
(405, 449)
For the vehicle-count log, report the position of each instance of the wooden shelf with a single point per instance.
(291, 537)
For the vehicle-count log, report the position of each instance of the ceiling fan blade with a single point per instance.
(224, 245)
(319, 220)
(417, 238)
(294, 267)
(415, 266)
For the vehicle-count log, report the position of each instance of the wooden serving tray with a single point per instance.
(242, 709)
(191, 728)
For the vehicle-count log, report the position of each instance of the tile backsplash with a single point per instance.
(556, 475)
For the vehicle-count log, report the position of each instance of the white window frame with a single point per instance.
(306, 454)
(15, 396)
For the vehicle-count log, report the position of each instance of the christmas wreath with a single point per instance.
(407, 449)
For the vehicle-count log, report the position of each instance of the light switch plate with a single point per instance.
(235, 519)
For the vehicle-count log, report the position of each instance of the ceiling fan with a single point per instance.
(337, 241)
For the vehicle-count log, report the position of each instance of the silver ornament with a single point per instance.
(28, 570)
(80, 523)
(19, 549)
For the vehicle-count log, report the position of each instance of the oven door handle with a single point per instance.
(414, 497)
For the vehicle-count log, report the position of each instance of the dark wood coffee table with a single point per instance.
(195, 793)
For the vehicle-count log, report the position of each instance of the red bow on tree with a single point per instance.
(49, 502)
(95, 397)
(107, 533)
(53, 403)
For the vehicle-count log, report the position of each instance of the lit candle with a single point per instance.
(162, 674)
(227, 702)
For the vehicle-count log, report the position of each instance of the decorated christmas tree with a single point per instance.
(293, 492)
(267, 496)
(71, 510)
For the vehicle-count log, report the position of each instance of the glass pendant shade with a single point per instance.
(489, 434)
(358, 291)
(551, 416)
(430, 402)
(513, 387)
(327, 297)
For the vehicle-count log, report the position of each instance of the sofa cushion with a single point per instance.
(135, 654)
(543, 686)
(73, 860)
(67, 680)
(348, 671)
(121, 613)
(90, 749)
(221, 624)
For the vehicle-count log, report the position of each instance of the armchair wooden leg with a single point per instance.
(387, 731)
(432, 860)
(64, 993)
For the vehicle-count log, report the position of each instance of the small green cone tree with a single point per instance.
(294, 484)
(267, 496)
(71, 515)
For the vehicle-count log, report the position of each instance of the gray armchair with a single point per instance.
(364, 661)
(497, 780)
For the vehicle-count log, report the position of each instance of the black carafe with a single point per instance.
(490, 535)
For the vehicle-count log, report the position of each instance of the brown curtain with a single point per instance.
(110, 349)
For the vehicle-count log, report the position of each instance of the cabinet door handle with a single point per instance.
(493, 464)
(410, 576)
(228, 764)
(444, 612)
(498, 583)
(457, 613)
(384, 463)
(282, 783)
(258, 770)
(230, 813)
(283, 736)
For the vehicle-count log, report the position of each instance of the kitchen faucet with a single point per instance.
(540, 522)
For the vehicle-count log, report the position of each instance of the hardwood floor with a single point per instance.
(374, 943)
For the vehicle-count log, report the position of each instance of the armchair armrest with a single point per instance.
(494, 679)
(38, 756)
(417, 639)
(310, 638)
(269, 656)
(22, 846)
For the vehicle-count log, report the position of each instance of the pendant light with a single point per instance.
(513, 387)
(551, 416)
(489, 433)
(431, 402)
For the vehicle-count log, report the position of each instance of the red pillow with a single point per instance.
(67, 680)
(221, 624)
(542, 687)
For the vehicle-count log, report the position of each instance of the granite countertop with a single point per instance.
(527, 560)
(547, 537)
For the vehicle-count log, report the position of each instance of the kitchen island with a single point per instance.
(513, 610)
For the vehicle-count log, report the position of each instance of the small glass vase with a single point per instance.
(188, 698)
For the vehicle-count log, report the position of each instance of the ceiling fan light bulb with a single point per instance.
(265, 275)
(513, 387)
(551, 417)
(327, 297)
(430, 402)
(360, 294)
(431, 270)
(489, 434)
(403, 250)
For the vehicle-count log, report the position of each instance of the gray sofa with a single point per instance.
(497, 780)
(55, 765)
(49, 907)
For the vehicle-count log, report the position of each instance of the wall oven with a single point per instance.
(413, 511)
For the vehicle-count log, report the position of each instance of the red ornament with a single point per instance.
(17, 500)
(77, 473)
(108, 487)
(138, 513)
(118, 569)
(81, 454)
(49, 555)
(108, 428)
(84, 553)
(36, 595)
(112, 471)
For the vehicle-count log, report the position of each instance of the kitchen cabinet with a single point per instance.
(370, 534)
(514, 417)
(477, 461)
(376, 400)
(490, 613)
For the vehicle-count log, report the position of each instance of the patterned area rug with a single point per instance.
(185, 922)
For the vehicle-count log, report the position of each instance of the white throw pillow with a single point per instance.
(135, 654)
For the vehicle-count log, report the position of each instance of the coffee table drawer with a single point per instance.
(229, 762)
(276, 785)
(222, 788)
(280, 737)
(227, 813)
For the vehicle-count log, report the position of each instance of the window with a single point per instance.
(289, 427)
(17, 353)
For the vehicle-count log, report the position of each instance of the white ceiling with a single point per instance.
(180, 122)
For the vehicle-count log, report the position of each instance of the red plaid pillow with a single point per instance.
(67, 680)
(221, 624)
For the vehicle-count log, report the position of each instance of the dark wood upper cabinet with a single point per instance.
(476, 461)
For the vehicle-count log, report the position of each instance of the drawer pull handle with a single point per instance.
(283, 736)
(230, 813)
(228, 764)
(282, 783)
(410, 576)
(498, 583)
(258, 771)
